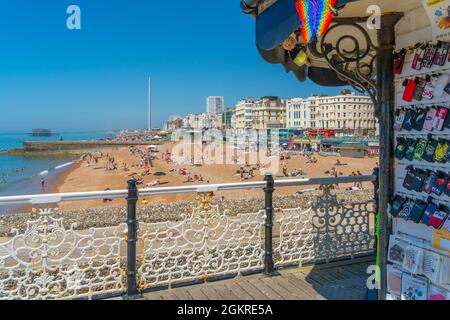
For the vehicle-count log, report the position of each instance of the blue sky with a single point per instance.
(96, 78)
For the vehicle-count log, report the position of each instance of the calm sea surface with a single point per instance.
(21, 174)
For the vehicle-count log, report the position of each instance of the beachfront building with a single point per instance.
(348, 114)
(173, 124)
(214, 105)
(298, 113)
(269, 113)
(202, 121)
(243, 113)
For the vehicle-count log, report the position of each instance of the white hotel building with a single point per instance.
(299, 113)
(347, 113)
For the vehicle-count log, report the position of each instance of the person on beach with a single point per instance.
(42, 184)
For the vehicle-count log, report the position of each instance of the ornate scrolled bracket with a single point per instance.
(352, 55)
(204, 199)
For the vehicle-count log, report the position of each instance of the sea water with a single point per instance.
(21, 174)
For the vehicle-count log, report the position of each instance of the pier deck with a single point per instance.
(337, 281)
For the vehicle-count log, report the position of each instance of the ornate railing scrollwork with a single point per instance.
(331, 229)
(49, 261)
(205, 243)
(352, 55)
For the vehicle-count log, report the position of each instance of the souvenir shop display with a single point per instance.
(414, 288)
(394, 281)
(437, 293)
(419, 246)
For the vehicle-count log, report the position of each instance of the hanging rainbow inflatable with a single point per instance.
(315, 16)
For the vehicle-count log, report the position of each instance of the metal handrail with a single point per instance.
(115, 194)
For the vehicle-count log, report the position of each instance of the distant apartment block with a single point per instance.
(202, 121)
(269, 113)
(214, 105)
(174, 123)
(243, 113)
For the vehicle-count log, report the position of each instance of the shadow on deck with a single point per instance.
(336, 281)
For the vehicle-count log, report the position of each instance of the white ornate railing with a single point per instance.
(49, 259)
(330, 229)
(206, 243)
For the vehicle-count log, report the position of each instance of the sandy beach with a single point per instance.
(93, 177)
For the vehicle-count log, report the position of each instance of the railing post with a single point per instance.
(373, 294)
(132, 290)
(268, 259)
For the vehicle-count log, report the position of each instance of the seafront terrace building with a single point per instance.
(347, 114)
(269, 113)
(201, 121)
(299, 113)
(243, 113)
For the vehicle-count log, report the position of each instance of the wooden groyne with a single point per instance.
(43, 146)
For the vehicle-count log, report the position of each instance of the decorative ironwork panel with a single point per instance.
(48, 261)
(293, 242)
(330, 229)
(205, 243)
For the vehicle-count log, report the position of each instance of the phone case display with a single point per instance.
(420, 269)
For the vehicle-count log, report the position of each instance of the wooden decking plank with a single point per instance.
(182, 294)
(325, 274)
(197, 294)
(338, 273)
(251, 290)
(346, 273)
(274, 284)
(309, 290)
(357, 270)
(304, 276)
(316, 278)
(169, 295)
(153, 296)
(225, 293)
(211, 293)
(301, 294)
(266, 289)
(236, 290)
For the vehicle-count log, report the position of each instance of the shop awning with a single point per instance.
(276, 23)
(278, 19)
